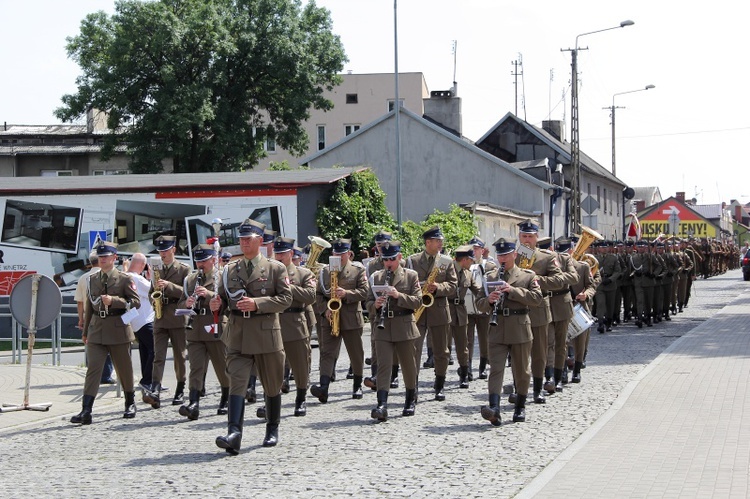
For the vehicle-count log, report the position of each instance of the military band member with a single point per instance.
(351, 291)
(168, 328)
(518, 292)
(375, 264)
(255, 290)
(111, 293)
(561, 306)
(476, 319)
(609, 268)
(394, 328)
(550, 277)
(463, 260)
(642, 265)
(438, 274)
(203, 344)
(294, 322)
(583, 291)
(688, 272)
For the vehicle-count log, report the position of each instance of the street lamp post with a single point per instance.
(575, 155)
(612, 109)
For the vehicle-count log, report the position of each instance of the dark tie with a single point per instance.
(431, 261)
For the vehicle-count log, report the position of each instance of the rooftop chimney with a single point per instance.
(680, 197)
(554, 128)
(444, 107)
(640, 205)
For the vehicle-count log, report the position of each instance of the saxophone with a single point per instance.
(334, 304)
(428, 299)
(156, 295)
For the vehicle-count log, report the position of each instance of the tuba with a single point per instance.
(588, 236)
(156, 295)
(317, 245)
(334, 304)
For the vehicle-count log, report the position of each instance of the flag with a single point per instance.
(634, 229)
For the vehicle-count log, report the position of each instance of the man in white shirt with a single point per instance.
(143, 325)
(82, 289)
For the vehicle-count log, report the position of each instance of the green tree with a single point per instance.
(356, 209)
(204, 82)
(458, 226)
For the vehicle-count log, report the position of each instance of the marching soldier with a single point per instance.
(203, 336)
(462, 262)
(550, 277)
(642, 265)
(395, 331)
(350, 291)
(294, 321)
(510, 328)
(609, 268)
(111, 293)
(254, 290)
(168, 328)
(476, 319)
(437, 273)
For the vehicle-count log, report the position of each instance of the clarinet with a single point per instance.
(499, 303)
(198, 280)
(384, 309)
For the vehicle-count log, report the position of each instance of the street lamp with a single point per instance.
(575, 155)
(612, 109)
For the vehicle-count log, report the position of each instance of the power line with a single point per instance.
(696, 132)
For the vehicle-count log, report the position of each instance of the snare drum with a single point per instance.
(581, 321)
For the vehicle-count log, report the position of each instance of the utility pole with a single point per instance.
(516, 73)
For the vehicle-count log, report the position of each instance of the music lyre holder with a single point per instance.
(25, 312)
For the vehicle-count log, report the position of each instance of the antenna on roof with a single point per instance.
(454, 51)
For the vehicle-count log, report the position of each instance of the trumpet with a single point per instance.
(156, 295)
(499, 303)
(428, 299)
(195, 297)
(334, 303)
(384, 310)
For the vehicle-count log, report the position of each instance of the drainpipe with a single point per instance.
(556, 193)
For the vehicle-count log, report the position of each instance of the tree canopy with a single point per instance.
(204, 82)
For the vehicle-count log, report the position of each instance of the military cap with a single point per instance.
(433, 233)
(544, 242)
(251, 228)
(383, 236)
(106, 248)
(390, 249)
(226, 256)
(283, 244)
(629, 242)
(503, 247)
(164, 243)
(528, 226)
(641, 243)
(563, 244)
(269, 236)
(341, 245)
(476, 241)
(464, 251)
(203, 252)
(297, 252)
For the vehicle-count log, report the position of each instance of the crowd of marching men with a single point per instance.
(532, 305)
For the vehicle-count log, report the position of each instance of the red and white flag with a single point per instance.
(634, 229)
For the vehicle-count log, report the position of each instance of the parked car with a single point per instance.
(746, 266)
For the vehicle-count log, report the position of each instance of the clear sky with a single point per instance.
(684, 135)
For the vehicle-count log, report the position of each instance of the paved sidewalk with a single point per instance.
(680, 429)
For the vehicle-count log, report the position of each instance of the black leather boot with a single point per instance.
(350, 373)
(639, 322)
(357, 387)
(371, 381)
(470, 374)
(179, 393)
(439, 384)
(223, 402)
(577, 372)
(430, 362)
(300, 405)
(538, 395)
(519, 414)
(260, 412)
(394, 376)
(130, 408)
(410, 403)
(192, 410)
(482, 368)
(321, 391)
(463, 377)
(250, 396)
(381, 411)
(492, 412)
(152, 396)
(558, 380)
(84, 417)
(549, 384)
(235, 417)
(273, 405)
(285, 383)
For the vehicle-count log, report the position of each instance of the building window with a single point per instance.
(350, 129)
(98, 173)
(269, 144)
(321, 137)
(588, 189)
(599, 195)
(58, 173)
(605, 203)
(391, 101)
(618, 204)
(351, 98)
